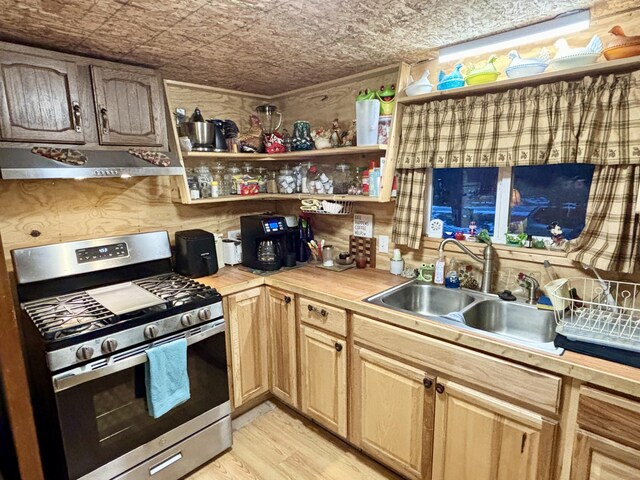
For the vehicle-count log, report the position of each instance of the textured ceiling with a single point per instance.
(263, 46)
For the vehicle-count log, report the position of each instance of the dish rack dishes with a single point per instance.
(326, 207)
(609, 314)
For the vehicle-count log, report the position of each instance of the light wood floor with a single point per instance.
(280, 444)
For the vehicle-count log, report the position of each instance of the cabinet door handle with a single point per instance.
(104, 117)
(338, 347)
(439, 388)
(287, 299)
(76, 117)
(322, 312)
(427, 382)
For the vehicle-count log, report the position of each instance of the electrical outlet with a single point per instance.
(383, 243)
(233, 234)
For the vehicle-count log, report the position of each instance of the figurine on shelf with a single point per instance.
(349, 136)
(473, 228)
(336, 134)
(365, 94)
(621, 45)
(321, 138)
(251, 140)
(274, 143)
(386, 95)
(459, 236)
(301, 136)
(557, 238)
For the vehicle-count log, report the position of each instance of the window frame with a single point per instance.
(503, 205)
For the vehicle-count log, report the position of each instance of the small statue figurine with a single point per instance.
(365, 94)
(336, 134)
(386, 95)
(557, 239)
(251, 140)
(301, 139)
(321, 138)
(473, 228)
(274, 143)
(349, 136)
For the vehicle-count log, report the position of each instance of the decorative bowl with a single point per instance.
(622, 51)
(519, 71)
(574, 60)
(450, 84)
(420, 86)
(344, 261)
(480, 78)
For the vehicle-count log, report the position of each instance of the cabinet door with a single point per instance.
(598, 458)
(39, 100)
(323, 367)
(248, 345)
(281, 318)
(392, 412)
(478, 437)
(127, 106)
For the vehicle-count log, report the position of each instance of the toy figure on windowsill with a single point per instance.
(473, 231)
(558, 242)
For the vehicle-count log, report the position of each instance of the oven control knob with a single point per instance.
(85, 352)
(204, 314)
(186, 320)
(151, 331)
(109, 345)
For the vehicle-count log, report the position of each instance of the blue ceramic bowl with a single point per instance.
(449, 84)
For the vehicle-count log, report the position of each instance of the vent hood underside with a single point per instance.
(19, 163)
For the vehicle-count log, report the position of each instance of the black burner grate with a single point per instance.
(176, 289)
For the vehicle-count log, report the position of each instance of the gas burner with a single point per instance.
(67, 315)
(176, 289)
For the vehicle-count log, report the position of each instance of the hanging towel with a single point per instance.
(166, 377)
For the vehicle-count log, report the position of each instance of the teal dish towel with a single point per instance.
(166, 377)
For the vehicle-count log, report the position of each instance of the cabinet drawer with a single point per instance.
(323, 316)
(539, 389)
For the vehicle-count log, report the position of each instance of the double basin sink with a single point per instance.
(487, 314)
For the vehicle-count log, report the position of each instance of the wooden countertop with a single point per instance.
(348, 289)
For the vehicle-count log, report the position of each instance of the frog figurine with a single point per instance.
(365, 94)
(386, 95)
(301, 139)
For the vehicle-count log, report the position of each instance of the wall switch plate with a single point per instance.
(383, 243)
(233, 234)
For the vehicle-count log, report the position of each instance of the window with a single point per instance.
(510, 200)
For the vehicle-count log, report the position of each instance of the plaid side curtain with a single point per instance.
(408, 217)
(610, 238)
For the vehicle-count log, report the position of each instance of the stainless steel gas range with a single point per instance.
(90, 310)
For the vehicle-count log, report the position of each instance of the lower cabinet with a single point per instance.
(392, 412)
(281, 322)
(323, 378)
(599, 458)
(246, 321)
(478, 437)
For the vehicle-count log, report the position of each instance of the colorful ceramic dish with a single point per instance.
(525, 67)
(487, 73)
(621, 45)
(420, 86)
(567, 57)
(451, 80)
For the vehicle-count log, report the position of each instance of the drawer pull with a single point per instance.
(287, 299)
(338, 347)
(439, 388)
(427, 382)
(321, 311)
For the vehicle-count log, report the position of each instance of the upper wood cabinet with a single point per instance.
(246, 321)
(323, 376)
(281, 321)
(127, 107)
(478, 437)
(392, 412)
(39, 99)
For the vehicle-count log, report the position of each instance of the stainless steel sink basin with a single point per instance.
(424, 299)
(515, 320)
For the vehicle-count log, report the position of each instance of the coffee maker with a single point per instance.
(263, 241)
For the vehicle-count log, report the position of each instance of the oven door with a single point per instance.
(102, 407)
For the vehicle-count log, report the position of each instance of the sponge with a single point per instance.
(544, 303)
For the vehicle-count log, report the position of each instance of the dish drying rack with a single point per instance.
(609, 314)
(327, 207)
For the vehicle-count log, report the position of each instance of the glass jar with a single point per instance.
(231, 176)
(342, 179)
(261, 175)
(272, 182)
(320, 180)
(217, 175)
(355, 186)
(286, 180)
(204, 181)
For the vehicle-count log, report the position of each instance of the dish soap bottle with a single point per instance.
(438, 277)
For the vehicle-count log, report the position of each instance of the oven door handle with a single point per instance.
(82, 374)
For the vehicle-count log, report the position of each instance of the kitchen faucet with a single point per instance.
(486, 261)
(532, 285)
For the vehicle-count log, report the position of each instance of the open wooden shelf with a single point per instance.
(328, 152)
(600, 68)
(283, 196)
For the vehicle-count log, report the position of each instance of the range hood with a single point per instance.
(24, 163)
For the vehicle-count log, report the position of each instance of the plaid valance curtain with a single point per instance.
(595, 120)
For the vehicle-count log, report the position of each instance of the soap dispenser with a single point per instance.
(438, 277)
(396, 265)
